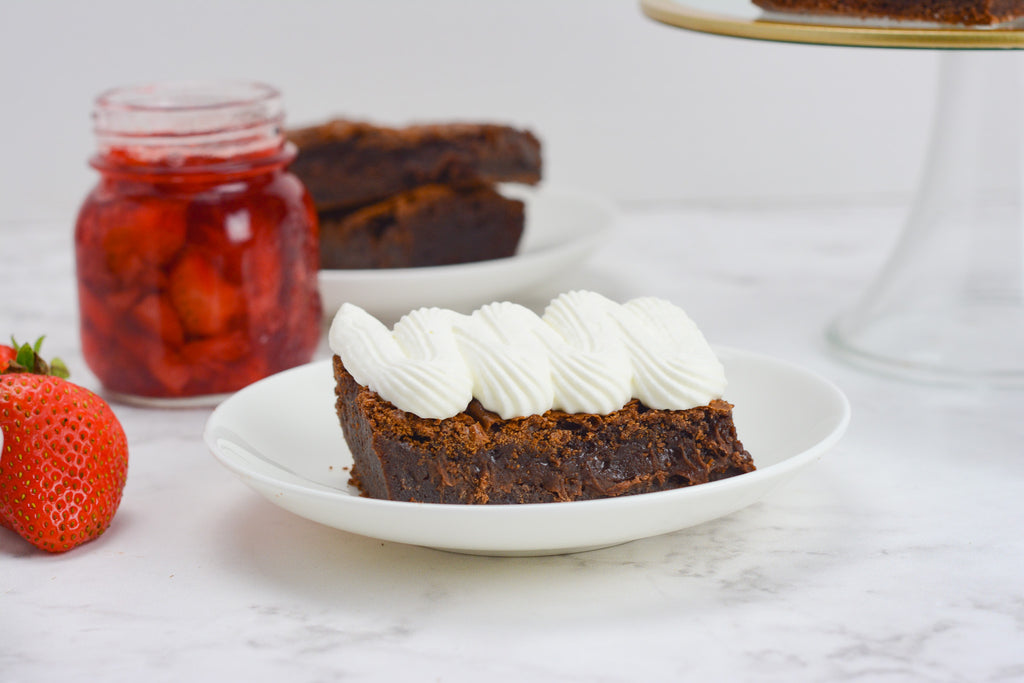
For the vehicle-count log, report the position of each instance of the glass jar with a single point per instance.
(196, 252)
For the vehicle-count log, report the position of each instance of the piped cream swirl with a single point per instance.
(586, 354)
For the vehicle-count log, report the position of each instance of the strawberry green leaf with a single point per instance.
(59, 369)
(28, 360)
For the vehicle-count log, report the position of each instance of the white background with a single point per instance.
(630, 108)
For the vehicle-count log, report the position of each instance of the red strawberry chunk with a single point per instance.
(224, 363)
(142, 236)
(203, 300)
(155, 315)
(262, 281)
(170, 371)
(220, 350)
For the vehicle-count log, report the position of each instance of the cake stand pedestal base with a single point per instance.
(948, 306)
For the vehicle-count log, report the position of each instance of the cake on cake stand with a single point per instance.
(948, 306)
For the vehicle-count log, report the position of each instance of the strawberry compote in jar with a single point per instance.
(196, 252)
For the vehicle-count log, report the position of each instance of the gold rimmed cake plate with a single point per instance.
(563, 226)
(948, 305)
(743, 19)
(281, 437)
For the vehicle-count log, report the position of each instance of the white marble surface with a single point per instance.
(897, 557)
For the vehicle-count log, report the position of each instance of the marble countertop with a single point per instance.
(899, 556)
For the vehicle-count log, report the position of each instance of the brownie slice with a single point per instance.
(348, 163)
(477, 457)
(432, 225)
(966, 12)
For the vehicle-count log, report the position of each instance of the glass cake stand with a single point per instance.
(948, 306)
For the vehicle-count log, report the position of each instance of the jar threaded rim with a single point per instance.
(165, 122)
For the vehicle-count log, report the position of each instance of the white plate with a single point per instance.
(282, 438)
(562, 228)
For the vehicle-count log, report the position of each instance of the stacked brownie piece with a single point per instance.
(963, 12)
(422, 195)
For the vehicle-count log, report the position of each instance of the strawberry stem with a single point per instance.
(28, 360)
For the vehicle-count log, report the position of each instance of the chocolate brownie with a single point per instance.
(431, 225)
(966, 12)
(478, 457)
(348, 163)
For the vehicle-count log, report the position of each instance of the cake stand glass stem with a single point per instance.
(948, 306)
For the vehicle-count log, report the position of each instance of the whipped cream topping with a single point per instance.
(585, 354)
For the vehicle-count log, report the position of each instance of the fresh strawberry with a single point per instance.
(63, 455)
(204, 301)
(7, 354)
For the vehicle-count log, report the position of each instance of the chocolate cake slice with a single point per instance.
(345, 164)
(477, 457)
(963, 12)
(432, 225)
